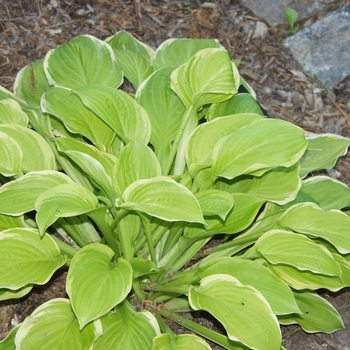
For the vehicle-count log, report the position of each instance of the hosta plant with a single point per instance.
(156, 180)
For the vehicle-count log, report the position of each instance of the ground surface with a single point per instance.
(28, 29)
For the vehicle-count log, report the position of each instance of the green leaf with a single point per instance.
(93, 277)
(243, 213)
(54, 326)
(136, 68)
(203, 139)
(251, 273)
(12, 113)
(237, 104)
(127, 329)
(63, 201)
(11, 156)
(168, 341)
(27, 258)
(288, 248)
(208, 76)
(82, 61)
(37, 154)
(308, 218)
(119, 110)
(12, 222)
(242, 310)
(18, 197)
(257, 148)
(327, 192)
(77, 118)
(304, 279)
(96, 164)
(126, 41)
(165, 111)
(322, 152)
(175, 52)
(215, 202)
(136, 161)
(6, 294)
(31, 83)
(163, 198)
(318, 315)
(143, 267)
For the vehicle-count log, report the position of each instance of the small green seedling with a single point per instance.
(291, 16)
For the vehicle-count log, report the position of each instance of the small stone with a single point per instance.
(318, 103)
(309, 96)
(261, 30)
(267, 90)
(348, 106)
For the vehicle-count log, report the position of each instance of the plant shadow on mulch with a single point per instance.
(29, 29)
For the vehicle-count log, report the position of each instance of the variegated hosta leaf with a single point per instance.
(163, 198)
(124, 328)
(310, 219)
(179, 342)
(63, 201)
(12, 113)
(27, 258)
(54, 326)
(37, 154)
(261, 146)
(318, 315)
(95, 284)
(18, 197)
(242, 310)
(82, 61)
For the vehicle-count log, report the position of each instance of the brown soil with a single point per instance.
(29, 29)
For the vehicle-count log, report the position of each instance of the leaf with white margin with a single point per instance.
(260, 146)
(303, 279)
(127, 329)
(318, 315)
(6, 294)
(237, 104)
(37, 154)
(54, 326)
(12, 113)
(310, 219)
(200, 144)
(179, 342)
(163, 198)
(96, 164)
(126, 41)
(174, 52)
(165, 111)
(327, 192)
(215, 202)
(11, 156)
(322, 152)
(119, 110)
(63, 201)
(136, 161)
(77, 118)
(27, 258)
(82, 61)
(18, 196)
(242, 310)
(31, 83)
(208, 76)
(95, 284)
(248, 272)
(280, 247)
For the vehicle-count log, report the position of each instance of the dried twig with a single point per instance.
(342, 112)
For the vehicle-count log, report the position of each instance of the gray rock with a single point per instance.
(260, 31)
(271, 10)
(323, 49)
